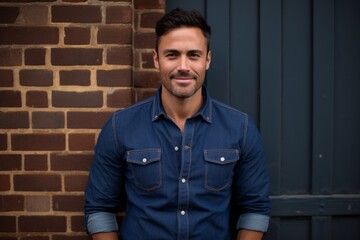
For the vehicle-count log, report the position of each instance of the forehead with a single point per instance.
(183, 37)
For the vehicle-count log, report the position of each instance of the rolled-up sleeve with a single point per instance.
(101, 222)
(253, 221)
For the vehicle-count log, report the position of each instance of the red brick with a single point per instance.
(6, 78)
(3, 142)
(9, 203)
(4, 183)
(149, 19)
(149, 4)
(120, 98)
(8, 14)
(77, 35)
(76, 14)
(42, 224)
(77, 223)
(14, 120)
(34, 35)
(147, 60)
(35, 15)
(118, 14)
(80, 120)
(68, 203)
(67, 237)
(81, 141)
(37, 182)
(37, 99)
(37, 203)
(36, 162)
(144, 40)
(119, 56)
(76, 56)
(146, 79)
(35, 56)
(144, 93)
(10, 162)
(75, 77)
(38, 78)
(10, 57)
(114, 35)
(48, 120)
(74, 1)
(10, 98)
(34, 238)
(71, 162)
(75, 183)
(27, 1)
(114, 78)
(38, 142)
(7, 224)
(93, 99)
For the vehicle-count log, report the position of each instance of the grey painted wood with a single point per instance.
(315, 205)
(321, 227)
(244, 56)
(296, 115)
(271, 88)
(323, 96)
(218, 76)
(347, 97)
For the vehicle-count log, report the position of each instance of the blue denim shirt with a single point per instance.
(179, 185)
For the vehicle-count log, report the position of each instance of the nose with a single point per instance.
(183, 64)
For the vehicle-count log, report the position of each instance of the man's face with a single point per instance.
(182, 60)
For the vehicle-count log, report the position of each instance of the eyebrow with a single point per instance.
(177, 51)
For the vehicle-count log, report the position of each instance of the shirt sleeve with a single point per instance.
(252, 182)
(104, 188)
(101, 222)
(253, 221)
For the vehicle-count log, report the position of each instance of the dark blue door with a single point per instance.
(294, 66)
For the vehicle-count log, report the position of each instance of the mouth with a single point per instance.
(181, 77)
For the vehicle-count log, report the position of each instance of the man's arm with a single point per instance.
(105, 236)
(244, 234)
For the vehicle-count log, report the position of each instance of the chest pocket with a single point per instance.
(219, 165)
(145, 167)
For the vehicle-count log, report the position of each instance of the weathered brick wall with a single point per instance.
(65, 66)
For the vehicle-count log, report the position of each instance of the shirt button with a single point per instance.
(176, 148)
(144, 160)
(187, 147)
(183, 212)
(183, 180)
(222, 159)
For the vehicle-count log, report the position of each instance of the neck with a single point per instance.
(180, 109)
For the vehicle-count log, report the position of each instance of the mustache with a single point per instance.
(183, 74)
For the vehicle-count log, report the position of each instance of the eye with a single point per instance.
(194, 55)
(171, 55)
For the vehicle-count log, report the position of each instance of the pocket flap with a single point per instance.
(143, 156)
(221, 156)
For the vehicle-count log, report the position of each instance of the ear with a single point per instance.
(208, 60)
(155, 59)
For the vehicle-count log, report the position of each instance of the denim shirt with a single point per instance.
(178, 185)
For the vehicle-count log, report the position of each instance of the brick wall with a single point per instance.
(65, 66)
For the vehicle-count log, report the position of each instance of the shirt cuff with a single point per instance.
(253, 221)
(101, 222)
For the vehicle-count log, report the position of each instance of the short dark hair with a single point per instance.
(178, 18)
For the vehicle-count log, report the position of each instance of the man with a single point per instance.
(180, 157)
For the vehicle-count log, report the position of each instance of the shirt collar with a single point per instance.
(204, 112)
